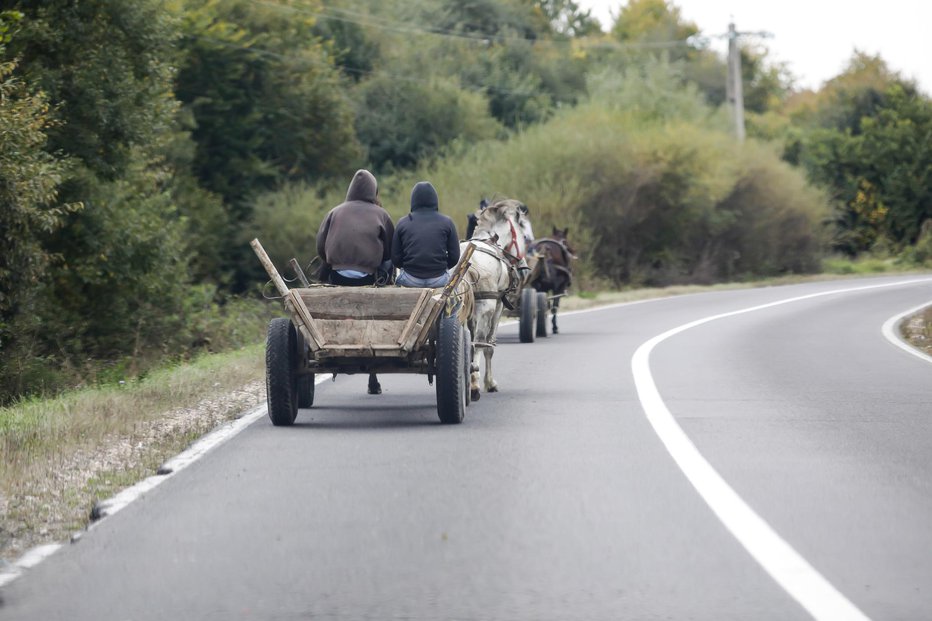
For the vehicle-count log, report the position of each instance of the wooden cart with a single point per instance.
(367, 330)
(531, 309)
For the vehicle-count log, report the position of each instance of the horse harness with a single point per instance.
(510, 260)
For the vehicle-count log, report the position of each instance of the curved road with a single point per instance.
(564, 496)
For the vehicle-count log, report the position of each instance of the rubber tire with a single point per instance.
(541, 314)
(451, 387)
(281, 382)
(305, 391)
(528, 315)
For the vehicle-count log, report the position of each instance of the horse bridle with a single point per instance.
(492, 249)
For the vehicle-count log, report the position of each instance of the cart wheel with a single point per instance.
(541, 314)
(467, 363)
(305, 391)
(451, 386)
(281, 382)
(528, 315)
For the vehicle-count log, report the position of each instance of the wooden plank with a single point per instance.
(302, 277)
(357, 351)
(415, 315)
(361, 332)
(429, 318)
(385, 303)
(269, 267)
(301, 312)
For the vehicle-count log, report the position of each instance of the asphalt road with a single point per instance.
(558, 498)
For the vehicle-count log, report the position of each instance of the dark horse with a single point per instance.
(553, 273)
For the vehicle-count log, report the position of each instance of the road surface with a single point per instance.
(564, 496)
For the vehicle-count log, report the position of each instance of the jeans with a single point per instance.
(405, 279)
(338, 279)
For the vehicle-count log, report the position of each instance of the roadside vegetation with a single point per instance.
(143, 144)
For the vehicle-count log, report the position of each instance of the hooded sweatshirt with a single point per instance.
(425, 244)
(357, 233)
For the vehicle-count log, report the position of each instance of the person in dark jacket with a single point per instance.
(425, 245)
(472, 220)
(355, 241)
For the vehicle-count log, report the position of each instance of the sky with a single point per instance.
(816, 38)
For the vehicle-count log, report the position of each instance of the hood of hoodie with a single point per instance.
(424, 196)
(363, 187)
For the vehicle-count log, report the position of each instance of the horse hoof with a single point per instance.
(493, 389)
(474, 395)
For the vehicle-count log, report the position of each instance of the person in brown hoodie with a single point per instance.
(355, 240)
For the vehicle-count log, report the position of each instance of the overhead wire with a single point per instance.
(364, 19)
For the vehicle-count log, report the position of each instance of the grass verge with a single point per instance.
(59, 456)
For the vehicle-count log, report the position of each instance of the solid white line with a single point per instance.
(892, 334)
(27, 561)
(790, 570)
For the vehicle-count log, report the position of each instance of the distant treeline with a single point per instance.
(142, 144)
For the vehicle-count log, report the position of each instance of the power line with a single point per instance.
(365, 72)
(362, 19)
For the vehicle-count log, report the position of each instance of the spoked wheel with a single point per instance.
(528, 316)
(281, 381)
(541, 314)
(452, 385)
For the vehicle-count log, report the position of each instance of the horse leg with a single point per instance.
(490, 384)
(553, 315)
(479, 328)
(474, 392)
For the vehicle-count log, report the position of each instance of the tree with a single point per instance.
(29, 207)
(567, 18)
(118, 266)
(865, 136)
(267, 107)
(657, 24)
(404, 122)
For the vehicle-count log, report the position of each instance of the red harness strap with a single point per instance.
(514, 242)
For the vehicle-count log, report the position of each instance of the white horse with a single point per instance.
(500, 248)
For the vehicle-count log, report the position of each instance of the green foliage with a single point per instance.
(107, 66)
(868, 139)
(266, 101)
(403, 122)
(29, 179)
(267, 107)
(567, 18)
(649, 194)
(108, 276)
(655, 28)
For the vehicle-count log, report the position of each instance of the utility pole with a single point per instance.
(734, 88)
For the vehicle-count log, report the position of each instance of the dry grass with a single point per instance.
(917, 330)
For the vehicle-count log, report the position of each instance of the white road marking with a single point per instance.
(890, 332)
(790, 570)
(27, 561)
